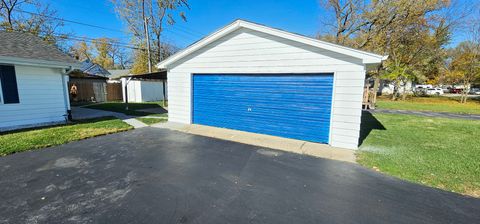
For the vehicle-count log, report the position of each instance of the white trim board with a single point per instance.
(37, 63)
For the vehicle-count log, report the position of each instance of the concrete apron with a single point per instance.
(268, 141)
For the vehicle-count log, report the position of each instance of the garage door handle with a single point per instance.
(249, 109)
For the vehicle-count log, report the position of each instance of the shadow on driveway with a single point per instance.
(152, 175)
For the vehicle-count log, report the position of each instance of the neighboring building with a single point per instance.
(387, 87)
(33, 81)
(255, 78)
(146, 87)
(91, 82)
(117, 74)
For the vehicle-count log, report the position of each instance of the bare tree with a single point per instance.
(41, 22)
(163, 12)
(158, 13)
(81, 51)
(348, 18)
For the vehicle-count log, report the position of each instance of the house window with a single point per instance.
(8, 84)
(1, 92)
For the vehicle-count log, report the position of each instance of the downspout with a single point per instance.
(66, 97)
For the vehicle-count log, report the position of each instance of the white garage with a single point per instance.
(258, 79)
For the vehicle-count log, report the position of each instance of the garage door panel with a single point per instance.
(295, 115)
(282, 106)
(276, 118)
(279, 95)
(287, 105)
(269, 128)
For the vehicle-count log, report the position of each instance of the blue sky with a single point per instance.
(303, 17)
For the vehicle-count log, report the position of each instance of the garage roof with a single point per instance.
(367, 57)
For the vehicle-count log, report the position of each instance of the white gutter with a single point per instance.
(38, 63)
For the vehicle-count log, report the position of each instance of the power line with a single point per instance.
(75, 22)
(111, 41)
(186, 31)
(181, 34)
(180, 26)
(96, 41)
(87, 39)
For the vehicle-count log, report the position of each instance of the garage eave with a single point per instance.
(367, 57)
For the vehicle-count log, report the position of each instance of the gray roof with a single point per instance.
(25, 45)
(93, 69)
(118, 73)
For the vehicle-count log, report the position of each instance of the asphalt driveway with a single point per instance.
(154, 175)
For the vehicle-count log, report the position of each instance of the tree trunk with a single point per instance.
(464, 96)
(404, 92)
(465, 92)
(376, 85)
(395, 90)
(159, 48)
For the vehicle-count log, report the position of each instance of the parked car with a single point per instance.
(423, 86)
(456, 90)
(434, 91)
(475, 91)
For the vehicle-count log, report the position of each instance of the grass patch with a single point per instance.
(132, 107)
(23, 140)
(150, 121)
(153, 119)
(436, 104)
(438, 152)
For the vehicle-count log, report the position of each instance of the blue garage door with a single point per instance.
(288, 105)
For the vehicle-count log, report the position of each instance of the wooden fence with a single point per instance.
(95, 90)
(114, 91)
(85, 90)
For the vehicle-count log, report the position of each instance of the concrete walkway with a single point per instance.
(268, 141)
(135, 123)
(80, 113)
(428, 114)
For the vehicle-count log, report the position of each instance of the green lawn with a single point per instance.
(439, 152)
(22, 140)
(437, 104)
(132, 107)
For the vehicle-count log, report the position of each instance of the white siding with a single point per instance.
(42, 98)
(152, 91)
(247, 51)
(134, 90)
(143, 91)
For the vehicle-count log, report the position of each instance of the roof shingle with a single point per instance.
(25, 45)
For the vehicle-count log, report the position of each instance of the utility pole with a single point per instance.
(147, 36)
(148, 46)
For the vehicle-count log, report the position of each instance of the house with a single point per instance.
(255, 78)
(146, 87)
(91, 82)
(33, 81)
